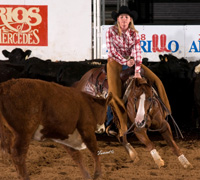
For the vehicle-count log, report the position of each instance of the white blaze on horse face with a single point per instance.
(74, 140)
(141, 111)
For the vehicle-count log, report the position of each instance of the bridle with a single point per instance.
(145, 116)
(154, 98)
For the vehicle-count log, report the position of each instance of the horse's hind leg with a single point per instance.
(19, 149)
(142, 136)
(76, 156)
(167, 135)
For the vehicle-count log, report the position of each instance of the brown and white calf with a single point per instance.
(39, 109)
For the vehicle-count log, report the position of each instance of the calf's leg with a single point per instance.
(76, 156)
(19, 149)
(89, 138)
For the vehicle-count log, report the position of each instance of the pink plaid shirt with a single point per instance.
(127, 45)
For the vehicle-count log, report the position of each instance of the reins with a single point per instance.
(176, 127)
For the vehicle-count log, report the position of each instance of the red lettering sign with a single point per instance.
(23, 25)
(163, 39)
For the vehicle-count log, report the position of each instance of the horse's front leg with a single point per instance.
(141, 134)
(167, 135)
(129, 149)
(122, 137)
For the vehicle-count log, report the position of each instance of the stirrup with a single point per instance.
(111, 132)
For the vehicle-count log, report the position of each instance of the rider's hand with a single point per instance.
(130, 63)
(137, 75)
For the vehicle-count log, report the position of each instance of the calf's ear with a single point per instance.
(27, 53)
(5, 53)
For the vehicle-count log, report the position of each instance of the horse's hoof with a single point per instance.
(136, 159)
(185, 163)
(189, 166)
(158, 160)
(132, 153)
(160, 163)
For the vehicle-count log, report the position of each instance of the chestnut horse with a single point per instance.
(145, 111)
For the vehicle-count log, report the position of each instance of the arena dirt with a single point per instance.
(50, 161)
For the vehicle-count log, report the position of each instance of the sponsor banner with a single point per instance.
(181, 41)
(192, 42)
(23, 25)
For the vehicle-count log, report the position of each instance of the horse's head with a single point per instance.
(140, 101)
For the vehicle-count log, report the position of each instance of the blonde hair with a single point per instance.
(131, 26)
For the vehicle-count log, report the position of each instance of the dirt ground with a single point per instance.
(50, 161)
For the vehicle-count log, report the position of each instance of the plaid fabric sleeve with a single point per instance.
(136, 53)
(112, 52)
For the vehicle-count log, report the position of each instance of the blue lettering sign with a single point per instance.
(170, 46)
(143, 44)
(194, 47)
(146, 46)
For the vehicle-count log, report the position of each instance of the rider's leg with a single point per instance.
(109, 110)
(154, 80)
(115, 87)
(109, 116)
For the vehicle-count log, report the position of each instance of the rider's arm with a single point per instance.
(136, 53)
(112, 52)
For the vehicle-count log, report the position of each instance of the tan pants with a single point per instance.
(158, 83)
(115, 87)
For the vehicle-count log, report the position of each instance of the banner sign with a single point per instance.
(23, 25)
(180, 41)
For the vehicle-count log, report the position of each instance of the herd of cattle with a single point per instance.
(180, 78)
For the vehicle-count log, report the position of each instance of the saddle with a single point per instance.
(97, 83)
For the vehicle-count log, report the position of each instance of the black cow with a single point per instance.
(73, 71)
(176, 74)
(197, 93)
(17, 55)
(65, 73)
(173, 72)
(9, 71)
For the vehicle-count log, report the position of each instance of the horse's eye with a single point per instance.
(135, 99)
(149, 99)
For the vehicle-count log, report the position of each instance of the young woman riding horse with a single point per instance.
(123, 44)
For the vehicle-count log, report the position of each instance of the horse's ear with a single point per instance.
(140, 81)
